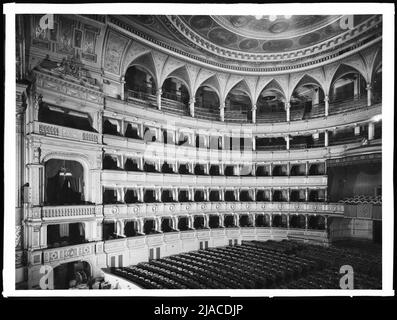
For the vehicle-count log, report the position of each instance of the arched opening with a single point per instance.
(131, 165)
(215, 195)
(149, 135)
(270, 104)
(183, 168)
(149, 196)
(166, 196)
(280, 170)
(131, 228)
(276, 221)
(139, 83)
(65, 234)
(298, 170)
(316, 169)
(110, 196)
(64, 182)
(245, 195)
(76, 274)
(229, 170)
(214, 170)
(213, 221)
(273, 143)
(348, 85)
(109, 230)
(183, 223)
(245, 221)
(307, 99)
(131, 196)
(297, 195)
(183, 196)
(316, 222)
(149, 226)
(228, 221)
(111, 126)
(206, 104)
(199, 169)
(175, 96)
(238, 104)
(297, 221)
(167, 168)
(280, 195)
(149, 166)
(229, 195)
(199, 195)
(263, 195)
(262, 170)
(132, 131)
(166, 225)
(198, 222)
(317, 195)
(65, 117)
(110, 162)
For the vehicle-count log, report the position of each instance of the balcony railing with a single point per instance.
(68, 211)
(48, 129)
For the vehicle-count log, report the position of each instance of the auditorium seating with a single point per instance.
(256, 264)
(362, 199)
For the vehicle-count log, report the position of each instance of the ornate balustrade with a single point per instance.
(64, 212)
(141, 210)
(53, 130)
(357, 115)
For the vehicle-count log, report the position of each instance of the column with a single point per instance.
(306, 222)
(190, 221)
(237, 194)
(237, 170)
(271, 195)
(326, 138)
(287, 106)
(307, 195)
(222, 110)
(122, 93)
(287, 221)
(175, 223)
(157, 224)
(287, 138)
(369, 94)
(158, 98)
(326, 102)
(252, 216)
(207, 194)
(222, 194)
(140, 223)
(253, 194)
(254, 113)
(357, 130)
(221, 220)
(206, 221)
(326, 223)
(140, 194)
(222, 142)
(307, 168)
(236, 220)
(371, 130)
(288, 194)
(191, 106)
(270, 220)
(325, 195)
(221, 169)
(175, 194)
(253, 143)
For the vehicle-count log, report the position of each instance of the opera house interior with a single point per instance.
(198, 152)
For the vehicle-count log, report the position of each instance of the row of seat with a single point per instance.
(255, 264)
(362, 199)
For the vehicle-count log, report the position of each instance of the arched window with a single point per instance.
(139, 83)
(270, 104)
(64, 182)
(238, 104)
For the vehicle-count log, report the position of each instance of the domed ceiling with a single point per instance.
(240, 40)
(264, 33)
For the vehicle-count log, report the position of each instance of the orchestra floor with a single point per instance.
(262, 265)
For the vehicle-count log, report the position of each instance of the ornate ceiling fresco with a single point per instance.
(252, 41)
(261, 35)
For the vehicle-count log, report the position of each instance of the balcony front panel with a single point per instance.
(320, 123)
(132, 179)
(142, 210)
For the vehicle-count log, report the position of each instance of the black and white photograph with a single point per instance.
(228, 148)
